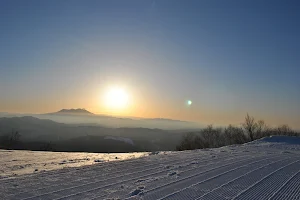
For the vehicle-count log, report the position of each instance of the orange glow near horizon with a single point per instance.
(140, 104)
(156, 111)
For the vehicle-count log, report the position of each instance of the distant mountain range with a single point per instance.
(36, 133)
(82, 111)
(78, 111)
(85, 117)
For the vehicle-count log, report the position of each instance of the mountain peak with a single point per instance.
(80, 111)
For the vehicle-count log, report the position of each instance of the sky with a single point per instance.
(226, 57)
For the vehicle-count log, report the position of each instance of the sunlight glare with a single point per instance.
(116, 98)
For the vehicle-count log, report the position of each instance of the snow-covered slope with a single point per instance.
(264, 169)
(14, 163)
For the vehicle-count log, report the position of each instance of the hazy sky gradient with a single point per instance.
(228, 57)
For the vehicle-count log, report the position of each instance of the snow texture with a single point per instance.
(13, 163)
(122, 139)
(265, 169)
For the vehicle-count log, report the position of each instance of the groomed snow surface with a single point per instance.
(13, 163)
(263, 169)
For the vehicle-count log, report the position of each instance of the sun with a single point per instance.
(116, 98)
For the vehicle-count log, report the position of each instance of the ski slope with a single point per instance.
(264, 169)
(14, 163)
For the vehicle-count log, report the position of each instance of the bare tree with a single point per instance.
(285, 130)
(15, 137)
(234, 135)
(228, 134)
(10, 140)
(211, 137)
(208, 135)
(261, 129)
(47, 147)
(250, 126)
(192, 141)
(188, 142)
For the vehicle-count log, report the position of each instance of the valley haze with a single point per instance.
(78, 130)
(82, 116)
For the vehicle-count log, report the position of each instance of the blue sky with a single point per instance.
(228, 57)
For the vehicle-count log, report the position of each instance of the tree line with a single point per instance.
(212, 137)
(13, 140)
